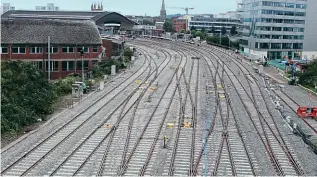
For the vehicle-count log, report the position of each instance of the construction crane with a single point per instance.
(185, 8)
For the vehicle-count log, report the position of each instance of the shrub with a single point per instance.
(26, 95)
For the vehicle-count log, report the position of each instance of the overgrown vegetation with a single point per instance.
(25, 95)
(309, 77)
(104, 68)
(167, 26)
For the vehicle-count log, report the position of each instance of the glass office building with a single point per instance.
(273, 28)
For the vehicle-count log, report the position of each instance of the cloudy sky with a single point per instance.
(133, 7)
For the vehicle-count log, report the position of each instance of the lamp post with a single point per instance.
(49, 57)
(82, 64)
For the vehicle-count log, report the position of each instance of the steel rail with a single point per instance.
(61, 128)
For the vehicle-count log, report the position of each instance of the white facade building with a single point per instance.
(6, 7)
(279, 28)
(49, 7)
(208, 22)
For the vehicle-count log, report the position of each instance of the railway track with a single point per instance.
(45, 148)
(244, 162)
(280, 154)
(219, 137)
(293, 105)
(132, 164)
(63, 169)
(128, 139)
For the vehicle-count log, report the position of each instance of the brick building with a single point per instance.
(27, 40)
(179, 24)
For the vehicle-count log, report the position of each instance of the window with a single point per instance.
(287, 46)
(70, 65)
(64, 65)
(276, 45)
(85, 65)
(277, 20)
(4, 50)
(287, 37)
(54, 66)
(287, 29)
(36, 49)
(264, 45)
(300, 14)
(288, 21)
(68, 49)
(38, 64)
(289, 13)
(53, 50)
(18, 50)
(67, 65)
(289, 5)
(300, 37)
(298, 46)
(276, 29)
(86, 49)
(276, 37)
(95, 49)
(299, 21)
(301, 6)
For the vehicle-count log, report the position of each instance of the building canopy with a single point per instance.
(100, 18)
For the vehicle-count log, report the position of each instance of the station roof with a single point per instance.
(99, 17)
(36, 31)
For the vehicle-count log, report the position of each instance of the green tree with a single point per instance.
(147, 22)
(233, 30)
(223, 30)
(309, 77)
(192, 28)
(25, 95)
(167, 26)
(193, 32)
(199, 34)
(182, 31)
(203, 30)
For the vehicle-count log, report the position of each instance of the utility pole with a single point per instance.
(82, 64)
(220, 37)
(49, 56)
(229, 41)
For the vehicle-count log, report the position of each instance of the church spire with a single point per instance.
(163, 11)
(163, 5)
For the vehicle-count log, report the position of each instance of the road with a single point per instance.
(212, 108)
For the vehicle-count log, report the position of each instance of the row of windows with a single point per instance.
(66, 65)
(293, 37)
(269, 28)
(286, 13)
(278, 45)
(274, 20)
(282, 4)
(210, 24)
(215, 20)
(38, 50)
(274, 4)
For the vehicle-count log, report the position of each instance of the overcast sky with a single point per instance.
(133, 7)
